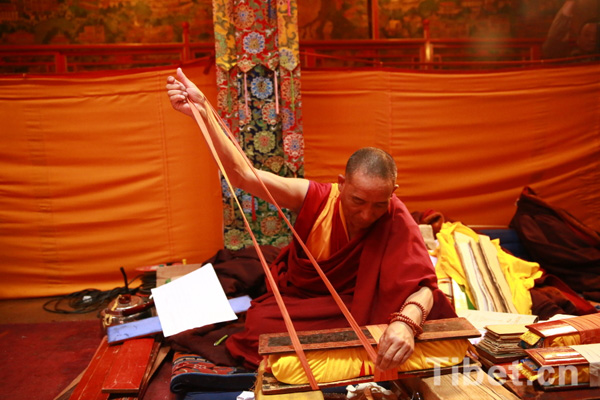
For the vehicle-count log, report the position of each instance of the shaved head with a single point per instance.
(373, 162)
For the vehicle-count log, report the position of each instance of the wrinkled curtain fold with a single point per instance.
(98, 172)
(465, 144)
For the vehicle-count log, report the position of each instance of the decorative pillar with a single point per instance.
(258, 76)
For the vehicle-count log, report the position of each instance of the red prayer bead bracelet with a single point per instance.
(399, 316)
(424, 312)
(417, 330)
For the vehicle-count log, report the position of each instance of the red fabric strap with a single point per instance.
(288, 323)
(284, 312)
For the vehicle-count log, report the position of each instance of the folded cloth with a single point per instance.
(193, 373)
(565, 332)
(551, 295)
(201, 341)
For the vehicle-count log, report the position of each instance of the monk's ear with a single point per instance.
(395, 187)
(341, 179)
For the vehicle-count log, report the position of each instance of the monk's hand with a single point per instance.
(396, 345)
(182, 92)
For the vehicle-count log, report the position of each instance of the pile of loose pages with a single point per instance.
(484, 276)
(559, 354)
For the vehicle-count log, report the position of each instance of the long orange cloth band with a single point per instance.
(287, 320)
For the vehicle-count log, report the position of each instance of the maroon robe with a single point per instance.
(373, 274)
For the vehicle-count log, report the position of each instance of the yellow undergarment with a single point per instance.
(339, 364)
(319, 239)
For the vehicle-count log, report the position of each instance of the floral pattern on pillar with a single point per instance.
(259, 100)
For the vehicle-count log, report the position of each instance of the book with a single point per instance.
(563, 367)
(481, 298)
(501, 343)
(584, 329)
(490, 255)
(485, 279)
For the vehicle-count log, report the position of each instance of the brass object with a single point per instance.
(125, 308)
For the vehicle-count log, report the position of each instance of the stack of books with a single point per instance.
(501, 344)
(563, 367)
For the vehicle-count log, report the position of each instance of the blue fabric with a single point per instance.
(509, 240)
(192, 373)
(239, 382)
(209, 396)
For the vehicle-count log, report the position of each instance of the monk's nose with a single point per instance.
(367, 215)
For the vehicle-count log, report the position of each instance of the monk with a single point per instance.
(361, 234)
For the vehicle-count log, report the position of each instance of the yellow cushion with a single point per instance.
(339, 364)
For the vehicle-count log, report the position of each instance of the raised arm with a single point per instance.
(288, 192)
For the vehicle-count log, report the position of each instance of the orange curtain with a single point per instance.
(465, 144)
(98, 172)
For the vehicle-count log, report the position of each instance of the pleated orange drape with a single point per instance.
(98, 172)
(465, 144)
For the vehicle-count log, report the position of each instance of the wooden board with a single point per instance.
(131, 363)
(533, 392)
(467, 385)
(158, 355)
(90, 385)
(270, 385)
(274, 343)
(260, 395)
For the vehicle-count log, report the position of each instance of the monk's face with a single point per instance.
(364, 199)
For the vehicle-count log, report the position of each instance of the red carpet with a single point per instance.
(40, 360)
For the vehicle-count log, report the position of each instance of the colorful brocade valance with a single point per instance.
(254, 32)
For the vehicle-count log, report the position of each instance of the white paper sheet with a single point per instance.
(480, 319)
(591, 352)
(192, 301)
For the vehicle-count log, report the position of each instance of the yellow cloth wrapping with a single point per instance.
(564, 341)
(339, 364)
(520, 274)
(570, 375)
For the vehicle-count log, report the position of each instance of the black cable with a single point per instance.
(89, 300)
